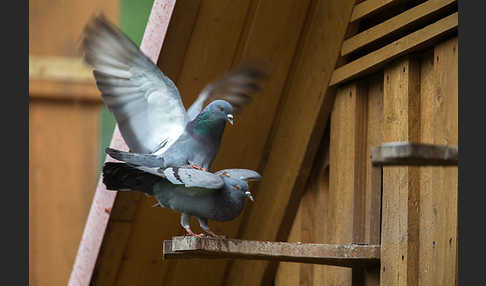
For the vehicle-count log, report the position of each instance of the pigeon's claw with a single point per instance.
(197, 167)
(212, 234)
(190, 233)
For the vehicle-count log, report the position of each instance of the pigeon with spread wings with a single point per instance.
(219, 196)
(148, 107)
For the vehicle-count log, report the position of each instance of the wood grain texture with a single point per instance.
(287, 168)
(405, 20)
(417, 40)
(438, 185)
(62, 177)
(400, 231)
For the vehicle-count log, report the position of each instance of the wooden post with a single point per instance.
(103, 200)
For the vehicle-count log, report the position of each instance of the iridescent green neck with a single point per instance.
(205, 126)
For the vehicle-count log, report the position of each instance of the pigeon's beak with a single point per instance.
(229, 118)
(248, 195)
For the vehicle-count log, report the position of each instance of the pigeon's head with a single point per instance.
(238, 187)
(221, 109)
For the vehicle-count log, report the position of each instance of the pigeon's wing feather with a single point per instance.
(193, 178)
(242, 174)
(146, 103)
(137, 159)
(234, 87)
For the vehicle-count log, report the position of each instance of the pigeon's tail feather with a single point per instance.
(146, 160)
(122, 177)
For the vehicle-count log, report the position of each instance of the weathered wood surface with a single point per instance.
(412, 42)
(345, 255)
(414, 154)
(404, 21)
(103, 200)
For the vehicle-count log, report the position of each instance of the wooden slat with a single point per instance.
(400, 231)
(376, 59)
(439, 185)
(396, 24)
(371, 7)
(57, 68)
(58, 90)
(345, 255)
(98, 216)
(414, 154)
(298, 128)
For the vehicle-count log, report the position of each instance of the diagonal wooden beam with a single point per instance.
(103, 200)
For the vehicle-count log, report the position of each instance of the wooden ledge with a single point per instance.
(414, 154)
(183, 247)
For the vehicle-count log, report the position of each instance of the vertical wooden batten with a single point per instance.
(400, 231)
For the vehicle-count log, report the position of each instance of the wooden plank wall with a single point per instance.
(413, 98)
(63, 136)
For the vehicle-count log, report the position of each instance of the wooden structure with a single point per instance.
(64, 108)
(348, 76)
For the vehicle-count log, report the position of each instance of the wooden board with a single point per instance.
(298, 128)
(345, 255)
(394, 25)
(438, 185)
(369, 8)
(412, 42)
(400, 209)
(414, 154)
(63, 158)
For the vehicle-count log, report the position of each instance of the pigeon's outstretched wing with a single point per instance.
(146, 103)
(234, 87)
(242, 174)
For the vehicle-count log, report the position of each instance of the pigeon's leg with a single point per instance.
(203, 222)
(185, 222)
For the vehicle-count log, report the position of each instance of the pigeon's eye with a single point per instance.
(237, 187)
(221, 108)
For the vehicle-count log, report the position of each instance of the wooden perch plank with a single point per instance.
(370, 7)
(376, 59)
(414, 154)
(345, 255)
(396, 24)
(103, 201)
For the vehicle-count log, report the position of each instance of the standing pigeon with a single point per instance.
(219, 196)
(147, 105)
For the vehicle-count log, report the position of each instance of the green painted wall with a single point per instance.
(133, 18)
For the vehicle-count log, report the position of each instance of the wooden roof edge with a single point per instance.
(103, 201)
